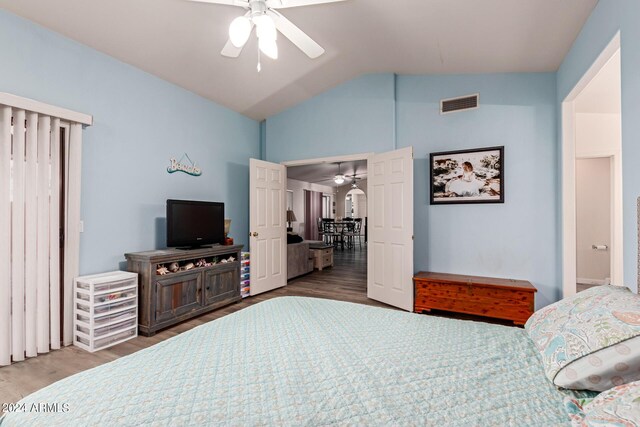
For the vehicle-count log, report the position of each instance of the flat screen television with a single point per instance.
(192, 224)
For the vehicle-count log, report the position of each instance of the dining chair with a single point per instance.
(354, 232)
(333, 234)
(320, 229)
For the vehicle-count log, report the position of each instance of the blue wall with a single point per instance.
(516, 239)
(140, 121)
(351, 118)
(607, 18)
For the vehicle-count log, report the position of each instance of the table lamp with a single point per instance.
(227, 226)
(291, 217)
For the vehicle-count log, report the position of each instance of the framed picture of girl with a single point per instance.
(467, 176)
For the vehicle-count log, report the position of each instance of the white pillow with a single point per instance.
(590, 340)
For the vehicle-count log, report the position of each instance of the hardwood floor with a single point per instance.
(345, 281)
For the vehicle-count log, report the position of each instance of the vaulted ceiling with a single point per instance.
(180, 41)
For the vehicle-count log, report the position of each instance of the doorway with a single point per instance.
(592, 176)
(337, 223)
(389, 258)
(355, 204)
(593, 222)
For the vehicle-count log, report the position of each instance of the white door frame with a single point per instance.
(333, 159)
(569, 273)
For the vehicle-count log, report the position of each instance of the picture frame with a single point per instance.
(467, 176)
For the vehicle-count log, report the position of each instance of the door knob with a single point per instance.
(255, 234)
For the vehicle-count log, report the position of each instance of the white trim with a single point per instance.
(597, 154)
(334, 159)
(598, 64)
(584, 281)
(18, 102)
(569, 273)
(569, 260)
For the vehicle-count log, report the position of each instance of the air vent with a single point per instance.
(452, 105)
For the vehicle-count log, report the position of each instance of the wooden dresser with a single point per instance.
(485, 296)
(205, 279)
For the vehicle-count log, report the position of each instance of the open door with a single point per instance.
(267, 233)
(390, 242)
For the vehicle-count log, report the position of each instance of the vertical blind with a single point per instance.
(30, 226)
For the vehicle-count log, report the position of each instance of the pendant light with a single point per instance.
(339, 178)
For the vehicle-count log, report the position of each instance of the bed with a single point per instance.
(307, 361)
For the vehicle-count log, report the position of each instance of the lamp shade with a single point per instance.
(291, 217)
(339, 179)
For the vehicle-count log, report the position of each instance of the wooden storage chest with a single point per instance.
(484, 296)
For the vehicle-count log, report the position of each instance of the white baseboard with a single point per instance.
(583, 281)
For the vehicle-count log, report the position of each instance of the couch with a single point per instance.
(299, 259)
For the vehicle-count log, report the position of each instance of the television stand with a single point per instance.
(203, 280)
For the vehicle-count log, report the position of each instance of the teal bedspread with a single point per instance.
(306, 361)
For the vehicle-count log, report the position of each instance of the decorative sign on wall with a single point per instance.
(189, 167)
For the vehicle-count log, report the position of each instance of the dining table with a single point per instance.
(341, 227)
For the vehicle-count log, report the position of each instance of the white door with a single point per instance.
(593, 221)
(390, 240)
(267, 240)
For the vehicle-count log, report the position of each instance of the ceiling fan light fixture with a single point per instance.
(339, 179)
(239, 31)
(268, 47)
(265, 27)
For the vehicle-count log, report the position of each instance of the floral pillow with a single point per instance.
(590, 340)
(619, 406)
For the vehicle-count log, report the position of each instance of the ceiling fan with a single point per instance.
(339, 178)
(263, 15)
(354, 180)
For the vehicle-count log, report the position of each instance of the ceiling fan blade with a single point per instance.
(230, 51)
(283, 4)
(241, 3)
(296, 35)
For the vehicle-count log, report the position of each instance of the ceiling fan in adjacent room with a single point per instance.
(263, 15)
(339, 177)
(354, 180)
